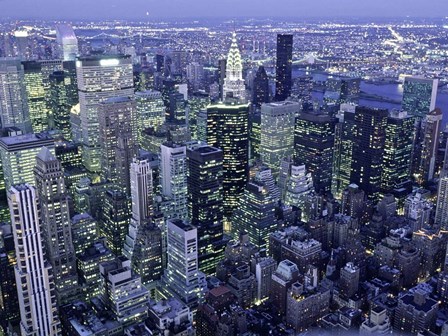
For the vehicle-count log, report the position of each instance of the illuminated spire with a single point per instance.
(234, 83)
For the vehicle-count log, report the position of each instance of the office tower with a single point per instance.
(149, 110)
(314, 142)
(88, 268)
(197, 102)
(306, 305)
(205, 203)
(418, 210)
(368, 148)
(84, 232)
(123, 292)
(114, 221)
(342, 91)
(177, 108)
(343, 149)
(260, 90)
(298, 185)
(9, 301)
(195, 75)
(255, 214)
(397, 155)
(227, 129)
(285, 275)
(283, 67)
(277, 133)
(182, 276)
(441, 219)
(263, 273)
(221, 77)
(18, 156)
(415, 312)
(38, 311)
(36, 95)
(302, 88)
(116, 119)
(430, 130)
(160, 60)
(54, 206)
(14, 110)
(173, 172)
(234, 83)
(99, 78)
(243, 285)
(264, 175)
(254, 135)
(419, 96)
(22, 45)
(349, 281)
(68, 43)
(60, 102)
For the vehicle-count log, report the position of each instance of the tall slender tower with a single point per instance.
(34, 274)
(56, 225)
(234, 83)
(283, 68)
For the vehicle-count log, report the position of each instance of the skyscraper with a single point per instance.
(342, 91)
(227, 129)
(419, 96)
(255, 214)
(34, 274)
(368, 148)
(260, 90)
(277, 132)
(13, 102)
(36, 95)
(150, 111)
(397, 155)
(205, 203)
(99, 78)
(283, 68)
(182, 276)
(116, 118)
(173, 172)
(314, 142)
(67, 41)
(53, 198)
(234, 83)
(430, 129)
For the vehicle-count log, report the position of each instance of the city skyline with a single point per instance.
(144, 9)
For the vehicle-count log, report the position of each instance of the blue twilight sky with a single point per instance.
(137, 9)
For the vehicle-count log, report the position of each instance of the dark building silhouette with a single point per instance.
(260, 94)
(283, 79)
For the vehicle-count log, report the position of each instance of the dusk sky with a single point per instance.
(137, 9)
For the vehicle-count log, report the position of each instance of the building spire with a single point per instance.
(234, 83)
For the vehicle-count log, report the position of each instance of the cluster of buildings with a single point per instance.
(136, 200)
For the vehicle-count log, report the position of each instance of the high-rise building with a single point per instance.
(343, 149)
(419, 96)
(277, 133)
(67, 41)
(114, 221)
(298, 185)
(18, 156)
(227, 129)
(234, 83)
(430, 130)
(84, 232)
(116, 118)
(284, 276)
(397, 155)
(182, 276)
(123, 292)
(38, 311)
(283, 68)
(150, 111)
(205, 203)
(36, 95)
(441, 219)
(368, 148)
(99, 78)
(14, 110)
(314, 143)
(342, 91)
(56, 224)
(61, 103)
(173, 173)
(260, 90)
(255, 214)
(349, 281)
